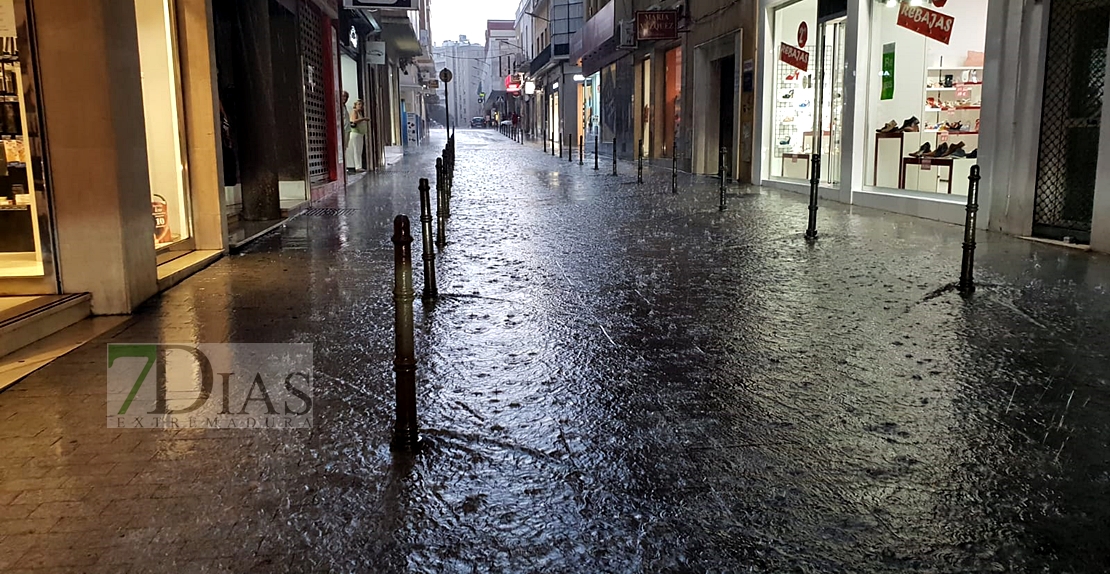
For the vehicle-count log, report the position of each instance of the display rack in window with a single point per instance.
(794, 111)
(910, 154)
(20, 251)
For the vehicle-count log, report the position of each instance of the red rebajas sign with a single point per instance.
(926, 22)
(796, 57)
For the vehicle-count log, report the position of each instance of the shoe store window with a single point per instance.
(794, 93)
(25, 244)
(164, 116)
(925, 95)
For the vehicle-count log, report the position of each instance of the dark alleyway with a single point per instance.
(616, 379)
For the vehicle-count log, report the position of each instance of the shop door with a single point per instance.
(647, 108)
(727, 115)
(1075, 78)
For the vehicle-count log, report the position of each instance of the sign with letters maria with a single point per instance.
(928, 23)
(214, 386)
(796, 57)
(404, 4)
(657, 25)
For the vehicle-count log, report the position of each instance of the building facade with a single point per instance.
(466, 60)
(555, 75)
(907, 110)
(104, 203)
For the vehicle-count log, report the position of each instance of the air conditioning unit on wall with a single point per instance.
(627, 34)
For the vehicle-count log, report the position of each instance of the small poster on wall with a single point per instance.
(7, 19)
(888, 72)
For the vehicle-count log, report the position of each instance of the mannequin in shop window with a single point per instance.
(357, 143)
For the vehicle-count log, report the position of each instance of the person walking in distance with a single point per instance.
(358, 126)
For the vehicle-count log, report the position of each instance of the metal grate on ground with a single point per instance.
(328, 212)
(1074, 83)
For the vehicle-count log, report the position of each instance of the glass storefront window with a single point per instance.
(23, 214)
(672, 112)
(162, 100)
(593, 104)
(794, 94)
(924, 96)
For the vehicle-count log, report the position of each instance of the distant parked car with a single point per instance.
(477, 122)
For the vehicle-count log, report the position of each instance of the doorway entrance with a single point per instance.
(726, 71)
(1071, 119)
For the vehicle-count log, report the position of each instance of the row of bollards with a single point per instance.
(406, 436)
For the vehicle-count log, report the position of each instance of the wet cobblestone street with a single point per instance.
(615, 379)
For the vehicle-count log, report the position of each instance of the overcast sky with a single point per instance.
(453, 17)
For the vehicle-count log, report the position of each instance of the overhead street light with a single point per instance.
(538, 17)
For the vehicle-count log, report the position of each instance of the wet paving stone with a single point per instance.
(616, 378)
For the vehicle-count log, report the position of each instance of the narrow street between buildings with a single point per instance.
(615, 378)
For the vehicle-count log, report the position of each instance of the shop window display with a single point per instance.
(925, 95)
(162, 100)
(794, 93)
(21, 253)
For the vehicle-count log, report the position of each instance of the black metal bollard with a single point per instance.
(570, 149)
(430, 289)
(674, 167)
(814, 183)
(406, 435)
(614, 156)
(581, 150)
(967, 267)
(561, 138)
(597, 147)
(640, 161)
(721, 174)
(553, 143)
(441, 199)
(544, 141)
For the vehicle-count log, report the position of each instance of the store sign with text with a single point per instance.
(796, 57)
(657, 25)
(926, 22)
(406, 4)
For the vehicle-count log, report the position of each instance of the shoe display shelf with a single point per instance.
(793, 88)
(948, 85)
(895, 168)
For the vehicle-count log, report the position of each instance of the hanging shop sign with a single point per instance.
(375, 53)
(796, 57)
(928, 23)
(512, 84)
(803, 34)
(405, 4)
(657, 25)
